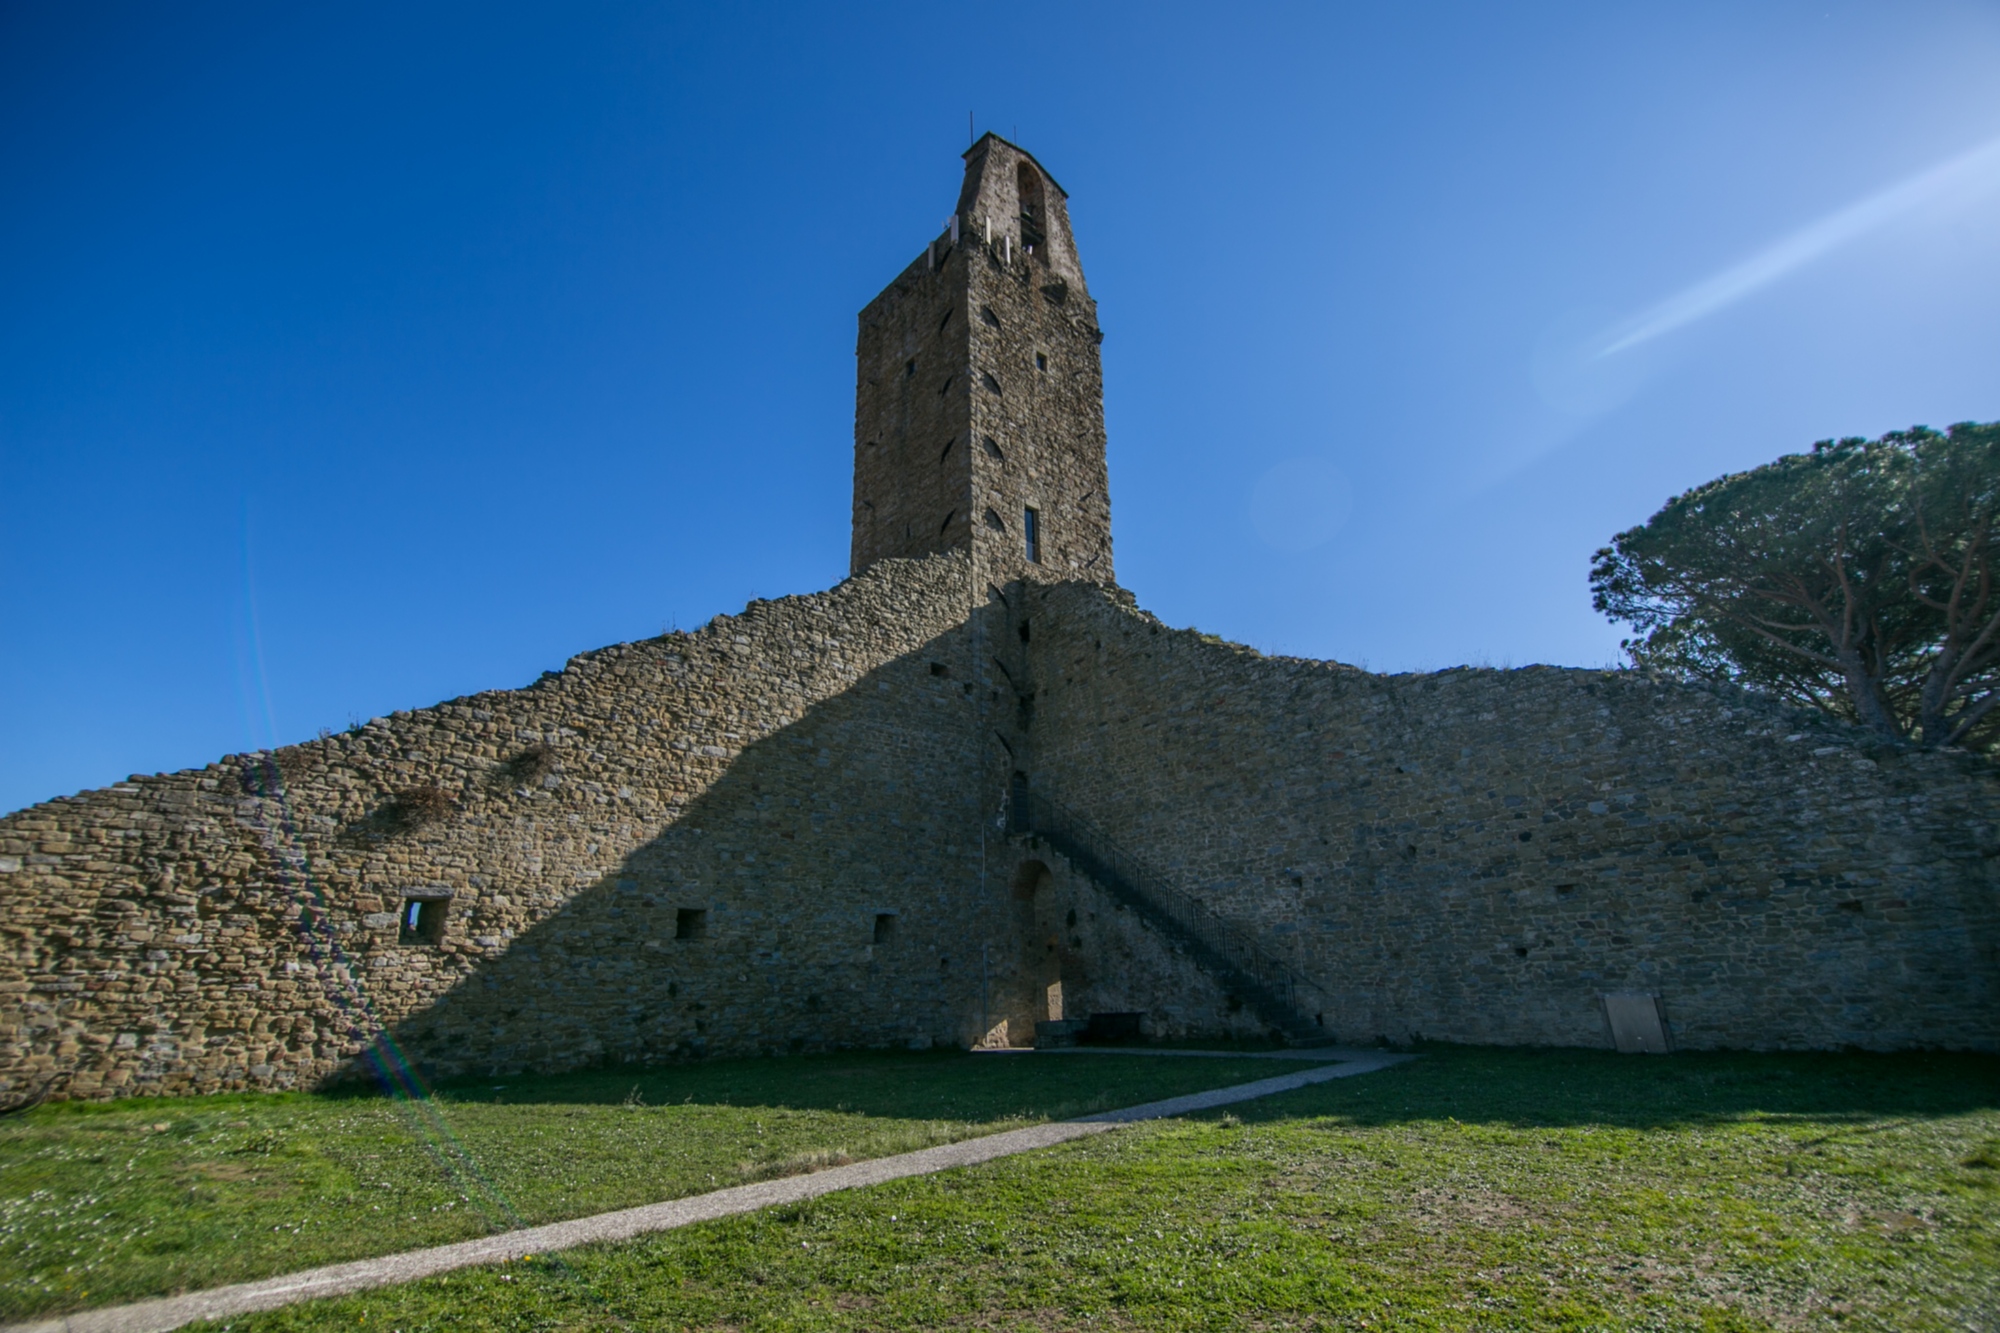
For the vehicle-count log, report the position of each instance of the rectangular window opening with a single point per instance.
(690, 923)
(422, 921)
(885, 927)
(1031, 533)
(1041, 361)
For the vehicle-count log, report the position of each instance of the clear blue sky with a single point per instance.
(356, 357)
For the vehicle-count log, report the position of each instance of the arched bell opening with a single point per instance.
(1034, 209)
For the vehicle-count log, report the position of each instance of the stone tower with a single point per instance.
(979, 395)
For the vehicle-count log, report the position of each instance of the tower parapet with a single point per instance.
(979, 391)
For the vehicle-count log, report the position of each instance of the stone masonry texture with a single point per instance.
(979, 391)
(795, 774)
(1476, 855)
(787, 830)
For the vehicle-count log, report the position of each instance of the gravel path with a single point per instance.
(171, 1312)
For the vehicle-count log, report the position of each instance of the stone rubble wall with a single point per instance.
(795, 772)
(1105, 959)
(783, 832)
(1477, 855)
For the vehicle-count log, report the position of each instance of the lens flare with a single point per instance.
(1962, 175)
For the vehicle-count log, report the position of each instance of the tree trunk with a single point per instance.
(1866, 691)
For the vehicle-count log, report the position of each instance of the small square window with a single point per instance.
(690, 923)
(885, 927)
(422, 921)
(1031, 534)
(1041, 361)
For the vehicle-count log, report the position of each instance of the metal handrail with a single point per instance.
(1267, 981)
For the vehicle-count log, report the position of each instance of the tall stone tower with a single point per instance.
(979, 396)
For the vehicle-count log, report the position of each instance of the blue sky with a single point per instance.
(357, 357)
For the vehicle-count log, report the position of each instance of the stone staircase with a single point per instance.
(1274, 992)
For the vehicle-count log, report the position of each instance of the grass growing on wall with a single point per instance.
(1474, 1189)
(108, 1202)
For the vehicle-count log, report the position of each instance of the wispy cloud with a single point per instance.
(1981, 166)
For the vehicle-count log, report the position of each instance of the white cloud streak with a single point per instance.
(1977, 167)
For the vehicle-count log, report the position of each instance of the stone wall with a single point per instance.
(783, 832)
(1476, 855)
(811, 775)
(1082, 952)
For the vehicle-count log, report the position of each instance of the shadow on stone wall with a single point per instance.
(823, 893)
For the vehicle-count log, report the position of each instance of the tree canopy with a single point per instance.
(1858, 578)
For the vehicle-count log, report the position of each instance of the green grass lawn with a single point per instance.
(108, 1202)
(1473, 1189)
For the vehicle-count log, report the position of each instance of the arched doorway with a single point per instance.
(1041, 937)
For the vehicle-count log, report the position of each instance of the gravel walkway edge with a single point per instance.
(172, 1312)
